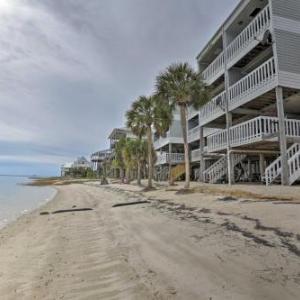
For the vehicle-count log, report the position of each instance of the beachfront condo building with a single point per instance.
(250, 128)
(252, 65)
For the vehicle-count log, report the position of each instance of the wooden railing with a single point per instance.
(254, 82)
(260, 23)
(194, 134)
(216, 67)
(216, 171)
(215, 106)
(261, 76)
(294, 167)
(252, 131)
(273, 171)
(195, 155)
(165, 158)
(254, 29)
(217, 141)
(219, 169)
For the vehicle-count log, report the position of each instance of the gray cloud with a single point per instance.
(70, 68)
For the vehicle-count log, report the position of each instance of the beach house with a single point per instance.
(98, 158)
(250, 128)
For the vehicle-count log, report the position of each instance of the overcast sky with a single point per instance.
(71, 68)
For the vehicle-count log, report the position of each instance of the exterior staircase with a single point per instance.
(177, 171)
(273, 171)
(162, 174)
(219, 169)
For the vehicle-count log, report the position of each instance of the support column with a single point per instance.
(202, 162)
(249, 168)
(228, 114)
(170, 164)
(282, 137)
(230, 165)
(261, 166)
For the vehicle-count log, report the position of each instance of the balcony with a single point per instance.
(215, 69)
(213, 109)
(249, 38)
(166, 158)
(194, 134)
(252, 131)
(168, 139)
(256, 83)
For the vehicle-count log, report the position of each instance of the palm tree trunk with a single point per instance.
(150, 157)
(138, 172)
(183, 119)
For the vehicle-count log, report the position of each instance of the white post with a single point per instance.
(228, 114)
(261, 166)
(170, 164)
(202, 162)
(282, 137)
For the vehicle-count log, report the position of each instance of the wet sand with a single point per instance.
(193, 246)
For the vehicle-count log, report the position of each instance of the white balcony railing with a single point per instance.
(252, 31)
(239, 45)
(215, 69)
(194, 134)
(166, 158)
(213, 108)
(261, 77)
(195, 155)
(259, 81)
(217, 141)
(252, 131)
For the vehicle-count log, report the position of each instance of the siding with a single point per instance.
(286, 20)
(288, 51)
(289, 9)
(175, 129)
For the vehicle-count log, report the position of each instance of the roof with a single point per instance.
(102, 152)
(117, 131)
(219, 31)
(67, 165)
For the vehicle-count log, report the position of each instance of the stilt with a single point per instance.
(170, 164)
(202, 162)
(230, 166)
(282, 137)
(261, 166)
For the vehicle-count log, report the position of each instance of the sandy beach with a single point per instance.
(176, 246)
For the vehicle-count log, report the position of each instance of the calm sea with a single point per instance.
(17, 199)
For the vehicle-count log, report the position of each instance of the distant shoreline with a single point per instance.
(52, 181)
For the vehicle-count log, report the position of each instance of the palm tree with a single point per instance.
(182, 87)
(139, 129)
(145, 114)
(118, 161)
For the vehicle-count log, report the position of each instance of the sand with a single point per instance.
(193, 246)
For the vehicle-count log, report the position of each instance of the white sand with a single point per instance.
(152, 251)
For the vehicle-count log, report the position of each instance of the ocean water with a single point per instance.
(17, 199)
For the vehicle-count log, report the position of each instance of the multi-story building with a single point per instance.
(76, 167)
(169, 148)
(119, 133)
(98, 158)
(252, 65)
(114, 137)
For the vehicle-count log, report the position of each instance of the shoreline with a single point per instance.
(26, 212)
